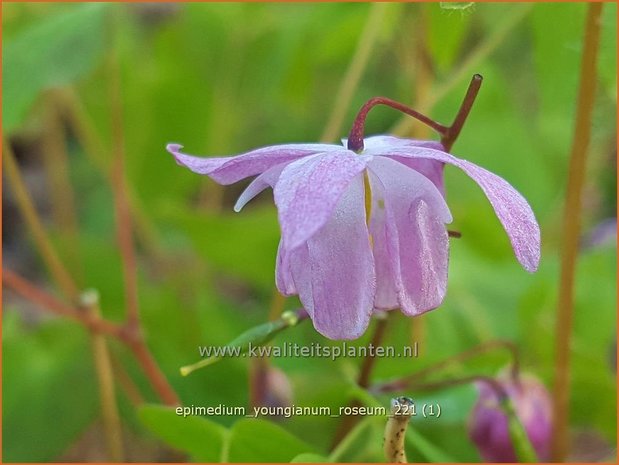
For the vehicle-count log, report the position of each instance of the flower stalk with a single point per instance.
(448, 134)
(571, 232)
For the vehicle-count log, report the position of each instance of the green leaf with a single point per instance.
(52, 53)
(201, 438)
(242, 244)
(254, 440)
(51, 383)
(446, 33)
(310, 458)
(419, 444)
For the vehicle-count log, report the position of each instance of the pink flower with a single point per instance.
(489, 428)
(344, 266)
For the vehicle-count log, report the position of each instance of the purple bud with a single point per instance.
(488, 426)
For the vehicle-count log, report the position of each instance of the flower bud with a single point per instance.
(489, 428)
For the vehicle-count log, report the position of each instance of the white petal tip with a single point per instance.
(173, 148)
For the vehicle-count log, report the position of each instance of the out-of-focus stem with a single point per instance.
(355, 70)
(483, 50)
(62, 200)
(125, 382)
(363, 381)
(259, 366)
(121, 207)
(133, 339)
(24, 202)
(49, 303)
(154, 374)
(89, 301)
(407, 381)
(369, 361)
(86, 134)
(571, 233)
(134, 335)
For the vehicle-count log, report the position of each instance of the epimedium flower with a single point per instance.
(363, 223)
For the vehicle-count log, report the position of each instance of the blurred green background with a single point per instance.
(225, 78)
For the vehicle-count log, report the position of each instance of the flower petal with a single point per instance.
(228, 170)
(431, 169)
(511, 208)
(334, 272)
(308, 190)
(410, 240)
(283, 274)
(266, 179)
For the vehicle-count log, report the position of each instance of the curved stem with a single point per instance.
(355, 138)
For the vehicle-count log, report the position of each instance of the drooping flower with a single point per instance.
(488, 426)
(343, 265)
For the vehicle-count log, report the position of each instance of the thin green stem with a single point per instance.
(571, 233)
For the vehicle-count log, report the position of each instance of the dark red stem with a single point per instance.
(448, 134)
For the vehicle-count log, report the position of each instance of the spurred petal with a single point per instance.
(410, 240)
(334, 271)
(511, 208)
(228, 170)
(308, 191)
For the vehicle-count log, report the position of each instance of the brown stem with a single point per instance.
(49, 303)
(121, 207)
(453, 131)
(86, 134)
(363, 381)
(152, 371)
(571, 233)
(24, 202)
(132, 338)
(62, 198)
(369, 361)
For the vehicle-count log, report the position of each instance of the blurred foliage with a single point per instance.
(223, 78)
